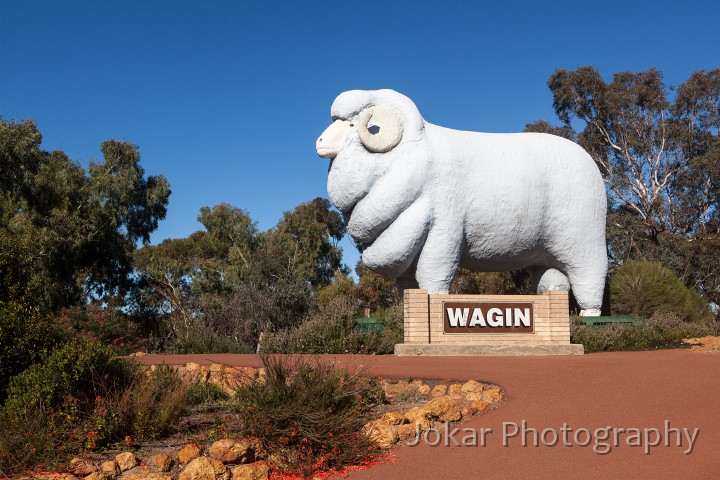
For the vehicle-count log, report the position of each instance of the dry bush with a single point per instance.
(309, 416)
(330, 330)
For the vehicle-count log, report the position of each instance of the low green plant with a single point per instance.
(660, 331)
(205, 392)
(25, 338)
(81, 370)
(308, 414)
(643, 288)
(29, 441)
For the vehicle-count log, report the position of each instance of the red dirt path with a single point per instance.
(620, 390)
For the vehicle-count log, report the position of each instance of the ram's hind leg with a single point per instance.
(588, 285)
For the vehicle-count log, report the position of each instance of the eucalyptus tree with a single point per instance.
(658, 149)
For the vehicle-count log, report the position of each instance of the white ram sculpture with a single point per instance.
(422, 200)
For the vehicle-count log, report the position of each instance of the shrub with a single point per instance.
(108, 326)
(660, 331)
(80, 370)
(201, 337)
(83, 397)
(24, 339)
(643, 288)
(205, 392)
(309, 415)
(330, 330)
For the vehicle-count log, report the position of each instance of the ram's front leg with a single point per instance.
(439, 258)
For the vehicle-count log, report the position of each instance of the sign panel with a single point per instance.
(488, 317)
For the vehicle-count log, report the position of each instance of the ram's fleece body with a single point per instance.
(442, 198)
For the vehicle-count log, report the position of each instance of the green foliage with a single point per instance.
(311, 232)
(232, 281)
(25, 339)
(342, 286)
(78, 370)
(330, 330)
(491, 283)
(82, 397)
(644, 288)
(660, 331)
(73, 232)
(375, 291)
(309, 415)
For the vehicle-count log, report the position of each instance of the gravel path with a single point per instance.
(624, 390)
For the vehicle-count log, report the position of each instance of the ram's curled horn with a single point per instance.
(380, 129)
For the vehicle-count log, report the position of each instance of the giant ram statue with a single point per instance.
(422, 200)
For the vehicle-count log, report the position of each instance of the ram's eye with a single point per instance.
(374, 129)
(352, 124)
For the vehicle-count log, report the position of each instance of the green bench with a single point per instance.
(368, 325)
(597, 322)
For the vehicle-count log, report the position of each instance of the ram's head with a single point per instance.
(378, 159)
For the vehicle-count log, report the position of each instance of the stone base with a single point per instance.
(435, 349)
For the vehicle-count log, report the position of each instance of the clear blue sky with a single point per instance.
(226, 99)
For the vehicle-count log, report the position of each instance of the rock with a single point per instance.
(81, 466)
(110, 468)
(162, 461)
(473, 396)
(205, 468)
(493, 395)
(439, 390)
(126, 460)
(443, 408)
(147, 476)
(228, 450)
(95, 476)
(251, 471)
(454, 391)
(424, 389)
(394, 418)
(408, 431)
(188, 452)
(471, 386)
(382, 434)
(418, 416)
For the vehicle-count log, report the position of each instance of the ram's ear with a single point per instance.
(380, 129)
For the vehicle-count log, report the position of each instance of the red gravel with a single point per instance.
(619, 390)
